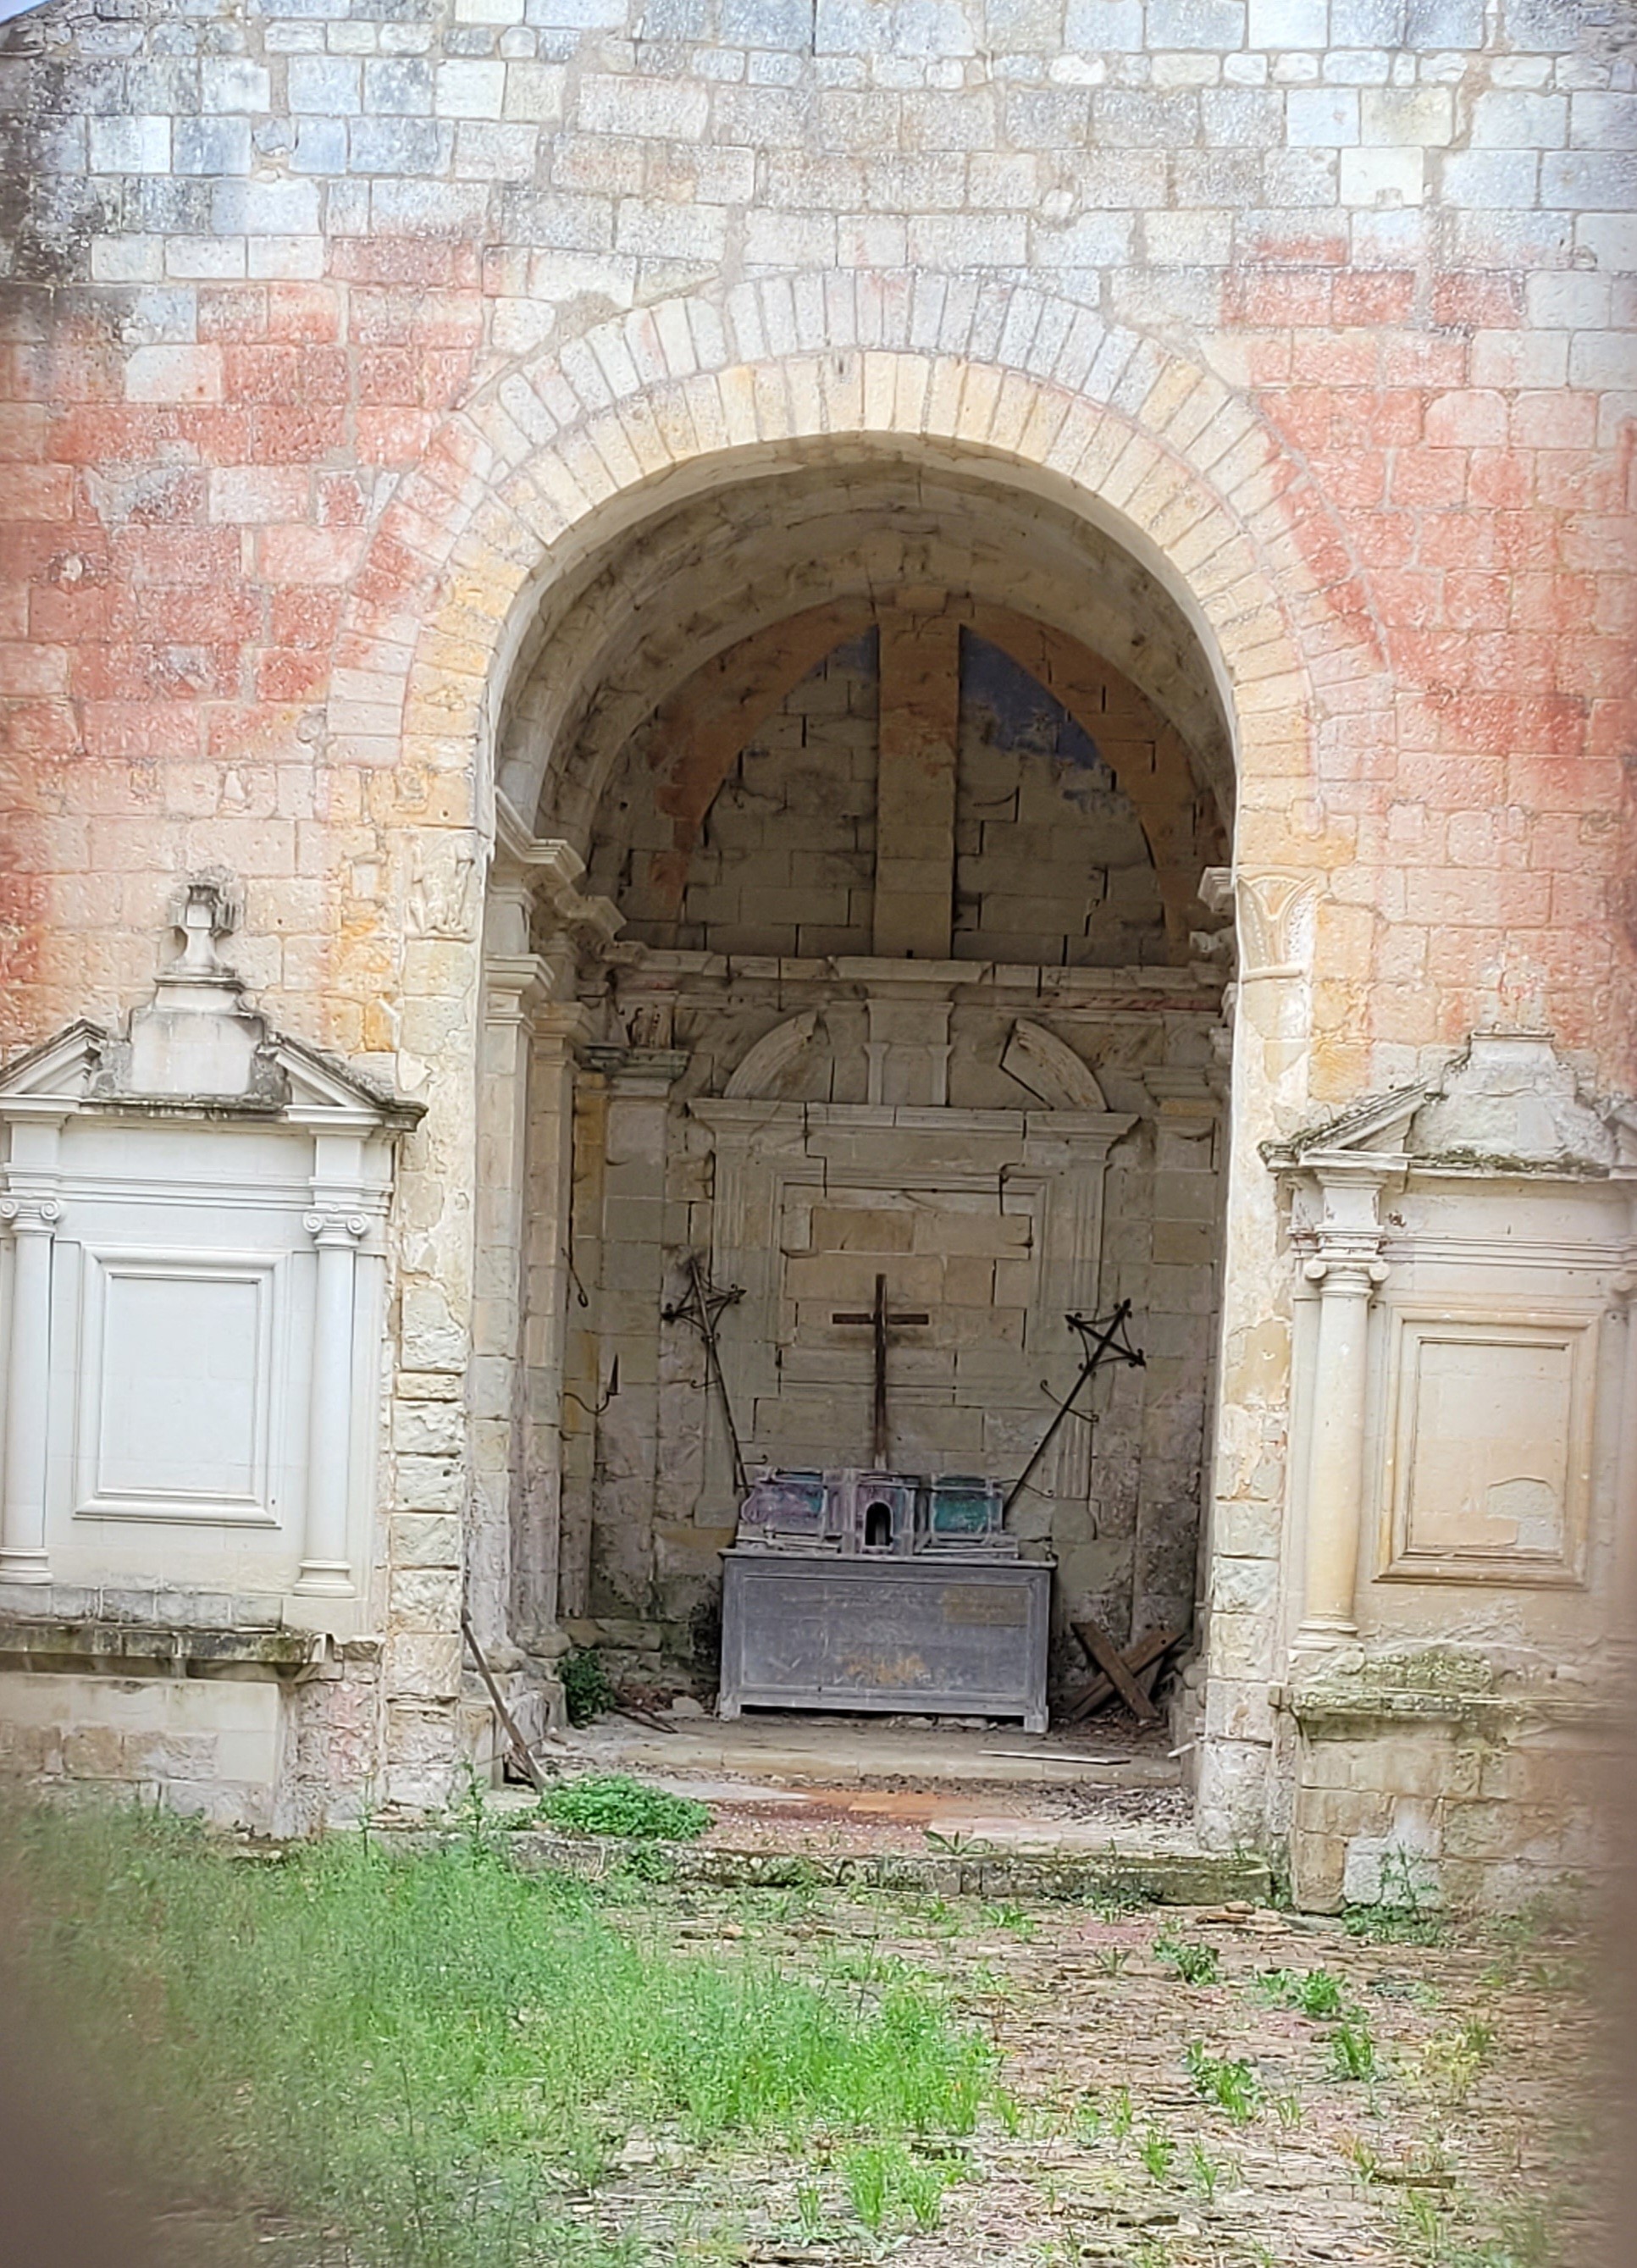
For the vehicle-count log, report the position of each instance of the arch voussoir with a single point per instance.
(518, 483)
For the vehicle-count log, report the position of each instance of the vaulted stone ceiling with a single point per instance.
(923, 661)
(619, 637)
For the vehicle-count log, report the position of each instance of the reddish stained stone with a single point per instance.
(1488, 299)
(283, 674)
(286, 435)
(293, 377)
(1324, 359)
(1374, 298)
(1268, 299)
(140, 672)
(307, 618)
(430, 262)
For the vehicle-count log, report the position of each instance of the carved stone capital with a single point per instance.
(548, 873)
(1347, 1269)
(334, 1228)
(30, 1216)
(1275, 924)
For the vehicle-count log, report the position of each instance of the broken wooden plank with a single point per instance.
(1099, 1694)
(1120, 1672)
(1145, 1661)
(517, 1745)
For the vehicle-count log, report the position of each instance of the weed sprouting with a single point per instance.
(959, 1843)
(1194, 1964)
(1208, 2173)
(1158, 2151)
(1364, 2159)
(643, 1864)
(1450, 2061)
(613, 1803)
(1111, 1899)
(1228, 2081)
(921, 2185)
(587, 1692)
(865, 2174)
(1424, 2224)
(885, 2181)
(1404, 1912)
(1352, 2049)
(1315, 1992)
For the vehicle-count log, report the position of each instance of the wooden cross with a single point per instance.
(883, 1323)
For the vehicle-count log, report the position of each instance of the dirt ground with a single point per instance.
(820, 1785)
(1452, 2127)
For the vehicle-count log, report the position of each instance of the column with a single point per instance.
(514, 985)
(630, 1294)
(326, 1566)
(32, 1221)
(1347, 1268)
(558, 1028)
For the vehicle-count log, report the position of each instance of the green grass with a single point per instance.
(1230, 2082)
(1315, 1992)
(613, 1803)
(889, 2186)
(427, 2058)
(1194, 1964)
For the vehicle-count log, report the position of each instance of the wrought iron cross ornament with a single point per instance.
(702, 1306)
(883, 1321)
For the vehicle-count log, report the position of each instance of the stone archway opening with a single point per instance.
(864, 809)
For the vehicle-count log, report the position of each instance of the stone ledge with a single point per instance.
(1492, 1715)
(167, 1648)
(1175, 1878)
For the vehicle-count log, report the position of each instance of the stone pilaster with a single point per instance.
(1347, 1268)
(326, 1561)
(32, 1218)
(537, 1536)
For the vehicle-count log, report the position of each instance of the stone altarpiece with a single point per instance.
(1004, 1121)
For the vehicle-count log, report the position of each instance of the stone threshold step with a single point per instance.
(1174, 1877)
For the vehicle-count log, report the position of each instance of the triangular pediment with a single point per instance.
(85, 1066)
(1509, 1104)
(318, 1081)
(59, 1069)
(1379, 1125)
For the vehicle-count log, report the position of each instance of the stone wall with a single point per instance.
(970, 1212)
(786, 862)
(1426, 1781)
(347, 348)
(896, 1118)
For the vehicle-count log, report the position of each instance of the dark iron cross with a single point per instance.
(883, 1321)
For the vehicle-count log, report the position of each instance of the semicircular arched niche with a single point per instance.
(1049, 1067)
(757, 1073)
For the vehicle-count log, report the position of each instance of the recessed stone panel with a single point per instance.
(177, 1388)
(1490, 1448)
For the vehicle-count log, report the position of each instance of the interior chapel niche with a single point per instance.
(911, 1000)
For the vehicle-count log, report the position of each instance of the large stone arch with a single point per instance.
(564, 451)
(566, 448)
